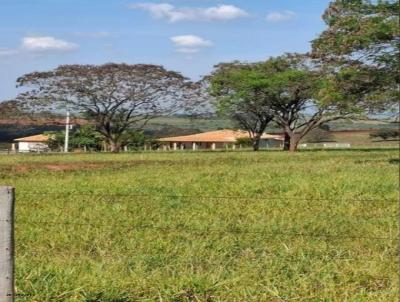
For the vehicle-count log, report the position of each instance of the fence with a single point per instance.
(7, 200)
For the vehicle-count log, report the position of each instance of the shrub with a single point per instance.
(318, 135)
(386, 134)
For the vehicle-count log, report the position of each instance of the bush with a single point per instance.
(318, 135)
(386, 134)
(244, 141)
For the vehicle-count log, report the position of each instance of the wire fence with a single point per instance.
(237, 197)
(207, 231)
(390, 256)
(237, 230)
(233, 230)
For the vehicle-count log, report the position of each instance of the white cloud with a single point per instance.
(176, 14)
(280, 16)
(189, 44)
(38, 45)
(190, 41)
(46, 43)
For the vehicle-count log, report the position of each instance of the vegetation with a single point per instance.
(162, 227)
(291, 90)
(116, 97)
(319, 135)
(386, 134)
(362, 42)
(240, 96)
(84, 137)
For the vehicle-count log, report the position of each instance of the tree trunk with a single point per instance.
(115, 147)
(256, 143)
(294, 142)
(286, 142)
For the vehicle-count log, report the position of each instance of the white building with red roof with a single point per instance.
(34, 143)
(217, 140)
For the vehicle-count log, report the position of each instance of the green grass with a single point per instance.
(311, 226)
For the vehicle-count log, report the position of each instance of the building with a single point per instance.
(220, 139)
(34, 143)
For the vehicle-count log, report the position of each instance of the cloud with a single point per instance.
(46, 44)
(175, 14)
(189, 44)
(280, 16)
(38, 45)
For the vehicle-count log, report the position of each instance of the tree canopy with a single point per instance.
(117, 97)
(362, 40)
(239, 95)
(292, 90)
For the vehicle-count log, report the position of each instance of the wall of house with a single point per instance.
(264, 144)
(32, 147)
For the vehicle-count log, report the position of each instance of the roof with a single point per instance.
(219, 136)
(34, 138)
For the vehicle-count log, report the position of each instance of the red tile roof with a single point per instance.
(33, 138)
(219, 136)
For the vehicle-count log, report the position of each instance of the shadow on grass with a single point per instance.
(394, 161)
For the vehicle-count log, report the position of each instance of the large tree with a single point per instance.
(116, 97)
(362, 42)
(292, 90)
(239, 96)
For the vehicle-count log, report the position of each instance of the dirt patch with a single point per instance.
(74, 166)
(24, 168)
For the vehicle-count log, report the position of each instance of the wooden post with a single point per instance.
(7, 200)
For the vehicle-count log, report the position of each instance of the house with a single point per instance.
(217, 139)
(34, 143)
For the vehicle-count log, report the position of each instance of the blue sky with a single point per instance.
(188, 36)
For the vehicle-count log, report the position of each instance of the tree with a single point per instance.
(86, 137)
(55, 139)
(362, 40)
(240, 96)
(386, 134)
(11, 109)
(291, 89)
(134, 139)
(116, 97)
(304, 96)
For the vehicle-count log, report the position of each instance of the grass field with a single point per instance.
(206, 226)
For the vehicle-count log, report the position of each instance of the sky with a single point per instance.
(189, 36)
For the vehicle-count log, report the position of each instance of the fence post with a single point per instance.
(7, 199)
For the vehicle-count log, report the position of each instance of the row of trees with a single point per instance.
(88, 139)
(352, 70)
